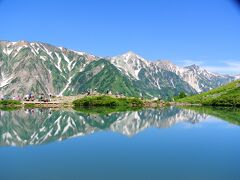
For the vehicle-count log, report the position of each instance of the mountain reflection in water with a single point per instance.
(39, 126)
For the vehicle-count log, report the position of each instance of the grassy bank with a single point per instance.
(108, 101)
(227, 95)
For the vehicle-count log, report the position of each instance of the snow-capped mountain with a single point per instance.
(199, 79)
(42, 68)
(130, 64)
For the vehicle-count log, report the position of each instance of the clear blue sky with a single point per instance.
(205, 32)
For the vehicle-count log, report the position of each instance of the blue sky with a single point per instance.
(205, 32)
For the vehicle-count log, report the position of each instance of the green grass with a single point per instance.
(107, 101)
(10, 103)
(227, 95)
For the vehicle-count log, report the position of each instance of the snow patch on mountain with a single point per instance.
(67, 85)
(7, 51)
(59, 62)
(68, 61)
(48, 52)
(5, 80)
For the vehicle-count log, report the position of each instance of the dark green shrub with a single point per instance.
(107, 101)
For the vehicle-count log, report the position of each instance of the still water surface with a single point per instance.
(168, 143)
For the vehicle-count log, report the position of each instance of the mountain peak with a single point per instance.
(194, 66)
(131, 55)
(130, 63)
(20, 43)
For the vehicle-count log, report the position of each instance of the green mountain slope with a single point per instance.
(103, 76)
(227, 95)
(169, 84)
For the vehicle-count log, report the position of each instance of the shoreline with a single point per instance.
(146, 104)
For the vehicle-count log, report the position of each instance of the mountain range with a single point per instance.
(43, 68)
